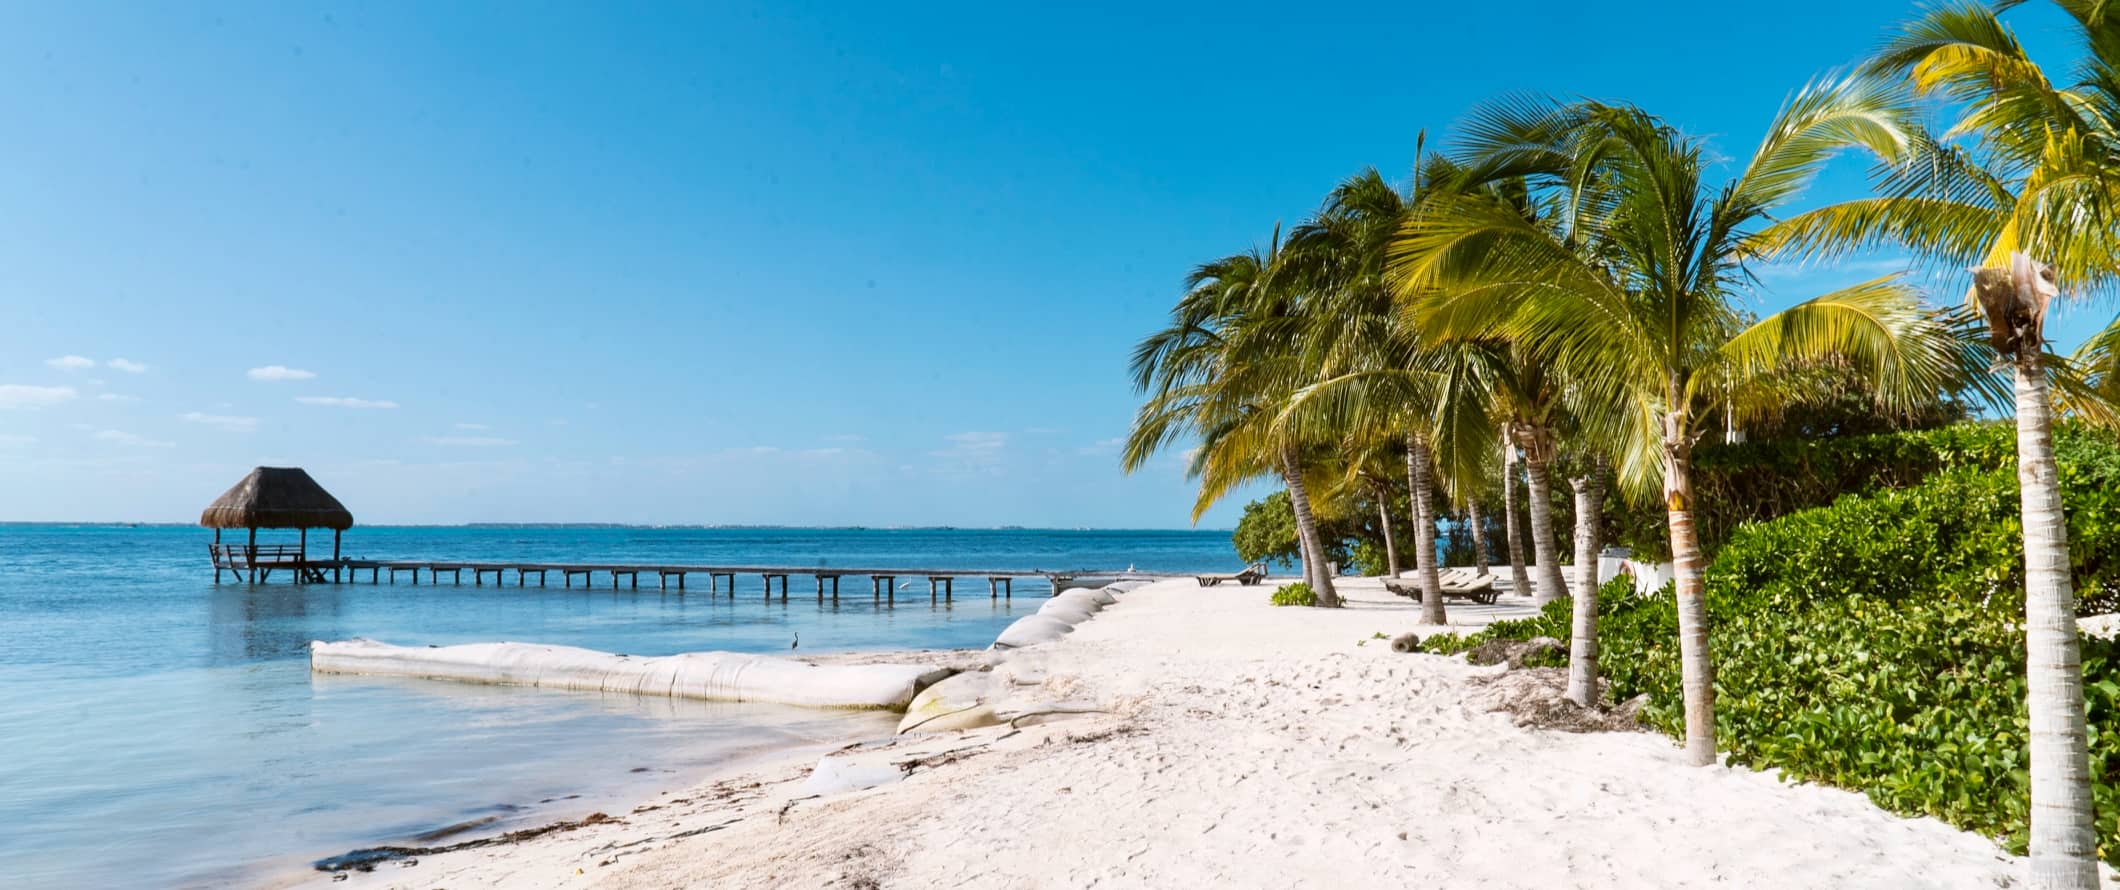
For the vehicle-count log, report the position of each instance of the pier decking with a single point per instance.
(260, 562)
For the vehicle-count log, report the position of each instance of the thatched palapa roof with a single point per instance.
(277, 497)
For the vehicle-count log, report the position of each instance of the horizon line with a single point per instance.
(644, 525)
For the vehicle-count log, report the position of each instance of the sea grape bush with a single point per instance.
(1755, 481)
(1875, 644)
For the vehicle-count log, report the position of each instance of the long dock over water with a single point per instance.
(259, 562)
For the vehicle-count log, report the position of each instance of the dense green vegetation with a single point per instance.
(1762, 480)
(1876, 643)
(1297, 594)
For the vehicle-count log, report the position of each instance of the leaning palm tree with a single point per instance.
(1220, 373)
(2024, 187)
(1373, 375)
(1648, 319)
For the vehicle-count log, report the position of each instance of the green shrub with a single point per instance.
(1874, 644)
(1449, 643)
(1267, 533)
(1297, 594)
(1370, 558)
(1757, 481)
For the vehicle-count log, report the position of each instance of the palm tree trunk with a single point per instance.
(1391, 545)
(1417, 475)
(1519, 579)
(1315, 570)
(1479, 534)
(2063, 842)
(1696, 665)
(1538, 461)
(1582, 647)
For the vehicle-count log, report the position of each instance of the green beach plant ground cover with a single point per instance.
(1297, 594)
(1876, 644)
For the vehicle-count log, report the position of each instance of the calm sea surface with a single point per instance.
(157, 729)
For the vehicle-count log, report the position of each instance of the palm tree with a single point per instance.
(1373, 374)
(1582, 641)
(1634, 291)
(1369, 457)
(1221, 372)
(2028, 169)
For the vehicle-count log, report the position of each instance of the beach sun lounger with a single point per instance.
(1250, 576)
(1456, 584)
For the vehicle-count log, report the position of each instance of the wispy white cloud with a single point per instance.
(345, 402)
(278, 374)
(71, 362)
(127, 365)
(12, 440)
(974, 452)
(23, 395)
(1102, 446)
(221, 421)
(473, 427)
(469, 441)
(121, 437)
(116, 397)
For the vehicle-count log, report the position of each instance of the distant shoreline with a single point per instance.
(45, 523)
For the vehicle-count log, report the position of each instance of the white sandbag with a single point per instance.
(1104, 596)
(1125, 586)
(1030, 630)
(963, 701)
(714, 676)
(1085, 593)
(1061, 610)
(1067, 613)
(1087, 599)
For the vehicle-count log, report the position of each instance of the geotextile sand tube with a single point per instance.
(713, 676)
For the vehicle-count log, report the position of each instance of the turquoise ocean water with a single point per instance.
(157, 729)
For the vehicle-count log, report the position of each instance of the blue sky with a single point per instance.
(766, 263)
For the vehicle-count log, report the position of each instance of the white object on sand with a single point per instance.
(1030, 630)
(1100, 597)
(1087, 599)
(964, 701)
(714, 676)
(836, 774)
(1070, 611)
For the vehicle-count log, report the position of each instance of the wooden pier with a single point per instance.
(259, 562)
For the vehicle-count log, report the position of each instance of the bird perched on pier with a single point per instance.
(798, 640)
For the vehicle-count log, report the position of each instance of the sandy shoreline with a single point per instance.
(1248, 746)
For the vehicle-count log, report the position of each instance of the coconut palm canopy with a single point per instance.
(277, 497)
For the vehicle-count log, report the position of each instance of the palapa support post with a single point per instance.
(336, 568)
(250, 554)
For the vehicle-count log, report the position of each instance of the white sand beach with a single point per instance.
(1245, 746)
